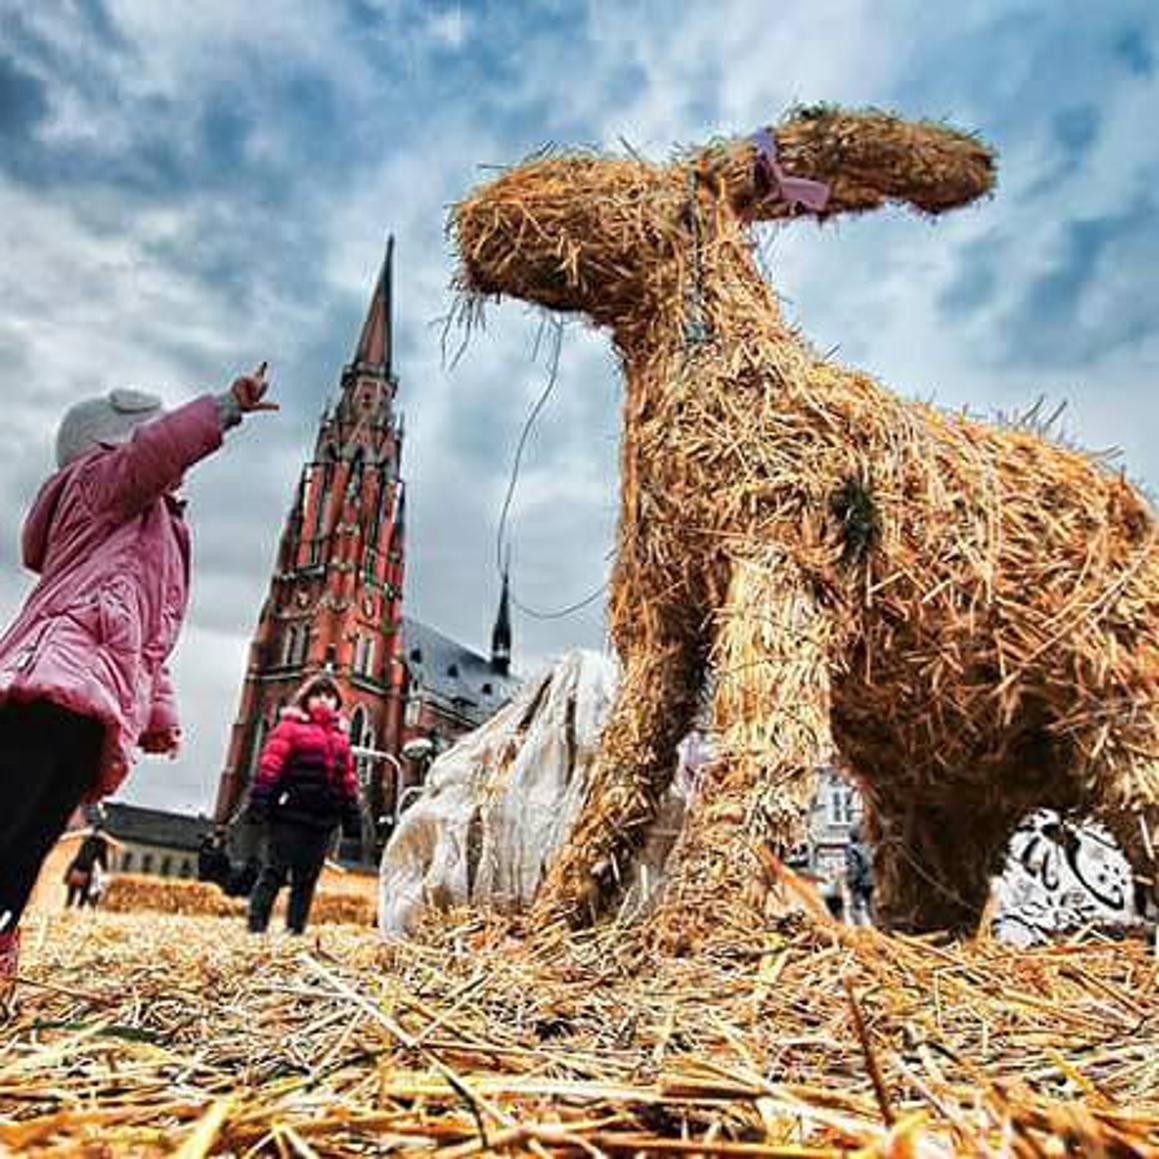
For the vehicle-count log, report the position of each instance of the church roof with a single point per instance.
(454, 673)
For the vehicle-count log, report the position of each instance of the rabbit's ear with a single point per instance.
(826, 161)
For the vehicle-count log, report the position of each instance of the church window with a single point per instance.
(414, 708)
(370, 563)
(256, 753)
(354, 483)
(357, 726)
(319, 535)
(290, 646)
(841, 805)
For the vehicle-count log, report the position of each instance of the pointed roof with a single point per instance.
(455, 675)
(501, 633)
(377, 339)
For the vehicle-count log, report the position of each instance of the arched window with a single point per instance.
(260, 731)
(357, 725)
(414, 709)
(146, 862)
(364, 766)
(166, 865)
(354, 480)
(329, 466)
(127, 861)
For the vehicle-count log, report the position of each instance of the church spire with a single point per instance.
(375, 343)
(501, 634)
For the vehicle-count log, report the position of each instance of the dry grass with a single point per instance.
(160, 1035)
(968, 614)
(343, 899)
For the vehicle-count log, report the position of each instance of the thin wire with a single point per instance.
(540, 403)
(552, 378)
(579, 605)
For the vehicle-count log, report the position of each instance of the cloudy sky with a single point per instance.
(186, 189)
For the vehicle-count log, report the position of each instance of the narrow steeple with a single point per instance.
(375, 343)
(501, 633)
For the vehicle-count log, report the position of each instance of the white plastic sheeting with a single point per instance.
(497, 805)
(1061, 876)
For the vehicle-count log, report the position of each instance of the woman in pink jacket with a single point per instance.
(83, 682)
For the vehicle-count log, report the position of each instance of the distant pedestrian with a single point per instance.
(83, 681)
(859, 878)
(213, 861)
(84, 871)
(305, 788)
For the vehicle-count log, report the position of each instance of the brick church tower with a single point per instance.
(335, 598)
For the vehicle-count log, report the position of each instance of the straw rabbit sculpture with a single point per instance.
(963, 614)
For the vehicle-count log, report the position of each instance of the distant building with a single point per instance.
(153, 841)
(335, 603)
(449, 689)
(835, 810)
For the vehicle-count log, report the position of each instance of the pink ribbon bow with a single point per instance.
(810, 195)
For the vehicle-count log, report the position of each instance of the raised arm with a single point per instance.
(131, 476)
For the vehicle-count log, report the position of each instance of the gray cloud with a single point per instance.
(1052, 325)
(1133, 46)
(23, 103)
(185, 191)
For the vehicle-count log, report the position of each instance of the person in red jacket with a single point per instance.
(305, 788)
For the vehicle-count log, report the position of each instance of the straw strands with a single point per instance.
(965, 614)
(159, 1035)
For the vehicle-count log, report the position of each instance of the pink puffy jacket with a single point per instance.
(112, 551)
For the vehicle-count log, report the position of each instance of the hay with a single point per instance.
(145, 1035)
(132, 892)
(966, 613)
(340, 902)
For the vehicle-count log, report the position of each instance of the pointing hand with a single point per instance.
(250, 390)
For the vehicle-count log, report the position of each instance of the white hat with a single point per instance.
(102, 421)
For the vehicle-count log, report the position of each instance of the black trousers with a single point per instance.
(49, 759)
(80, 896)
(296, 851)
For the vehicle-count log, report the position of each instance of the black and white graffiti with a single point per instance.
(1061, 876)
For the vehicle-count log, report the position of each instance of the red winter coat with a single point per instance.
(113, 555)
(306, 772)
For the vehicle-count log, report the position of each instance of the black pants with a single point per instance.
(80, 896)
(296, 851)
(49, 759)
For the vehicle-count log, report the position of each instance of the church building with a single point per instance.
(335, 603)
